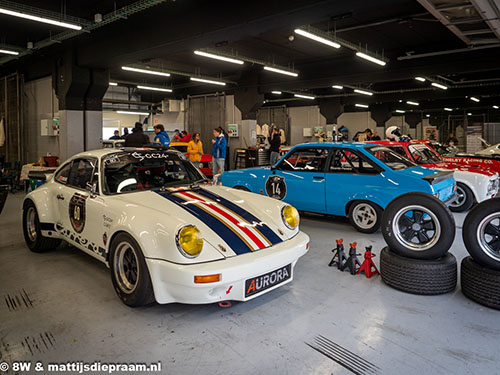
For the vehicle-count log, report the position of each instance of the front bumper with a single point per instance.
(175, 282)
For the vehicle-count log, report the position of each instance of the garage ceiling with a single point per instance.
(451, 42)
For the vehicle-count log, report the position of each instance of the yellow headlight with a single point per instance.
(189, 241)
(290, 216)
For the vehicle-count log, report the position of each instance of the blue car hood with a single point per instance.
(418, 172)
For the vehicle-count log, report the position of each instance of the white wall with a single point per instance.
(356, 122)
(304, 117)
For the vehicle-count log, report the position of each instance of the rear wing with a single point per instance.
(40, 175)
(438, 177)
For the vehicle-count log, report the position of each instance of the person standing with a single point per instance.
(218, 151)
(184, 136)
(275, 142)
(161, 137)
(226, 163)
(375, 136)
(452, 140)
(195, 149)
(137, 138)
(125, 133)
(115, 136)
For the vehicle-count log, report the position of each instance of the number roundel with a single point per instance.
(276, 187)
(77, 212)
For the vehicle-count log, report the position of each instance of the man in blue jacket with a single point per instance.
(161, 137)
(218, 151)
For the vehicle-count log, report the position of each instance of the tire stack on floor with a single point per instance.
(480, 272)
(419, 230)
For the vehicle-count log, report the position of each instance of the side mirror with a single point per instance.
(91, 188)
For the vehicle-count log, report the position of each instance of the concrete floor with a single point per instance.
(74, 315)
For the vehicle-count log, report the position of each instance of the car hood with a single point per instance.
(460, 167)
(417, 172)
(229, 220)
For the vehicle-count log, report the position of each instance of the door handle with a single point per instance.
(318, 177)
(60, 197)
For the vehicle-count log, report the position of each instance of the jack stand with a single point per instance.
(225, 304)
(367, 265)
(339, 257)
(353, 260)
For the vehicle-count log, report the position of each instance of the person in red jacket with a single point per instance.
(184, 136)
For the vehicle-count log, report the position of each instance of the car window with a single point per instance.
(145, 170)
(305, 160)
(400, 150)
(81, 173)
(423, 154)
(349, 161)
(389, 157)
(63, 173)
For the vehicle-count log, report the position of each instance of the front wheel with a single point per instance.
(481, 233)
(129, 272)
(464, 199)
(365, 216)
(419, 226)
(33, 233)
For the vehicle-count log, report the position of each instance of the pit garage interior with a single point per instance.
(432, 71)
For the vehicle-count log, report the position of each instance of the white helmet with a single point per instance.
(392, 133)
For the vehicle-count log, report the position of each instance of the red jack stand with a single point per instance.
(339, 257)
(367, 265)
(225, 304)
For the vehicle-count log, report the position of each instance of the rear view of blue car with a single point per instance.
(343, 179)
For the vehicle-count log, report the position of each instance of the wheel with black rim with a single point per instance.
(365, 216)
(464, 199)
(480, 284)
(481, 233)
(419, 226)
(129, 272)
(419, 276)
(32, 231)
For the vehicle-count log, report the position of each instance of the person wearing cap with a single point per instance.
(137, 138)
(161, 136)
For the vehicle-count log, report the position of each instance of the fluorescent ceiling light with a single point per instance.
(133, 113)
(281, 71)
(276, 92)
(412, 103)
(399, 111)
(317, 38)
(113, 84)
(448, 109)
(153, 88)
(338, 87)
(39, 19)
(146, 71)
(218, 57)
(370, 58)
(474, 99)
(421, 79)
(361, 105)
(427, 115)
(439, 86)
(363, 92)
(208, 81)
(304, 96)
(7, 52)
(469, 114)
(495, 106)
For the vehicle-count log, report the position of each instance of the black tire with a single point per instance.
(480, 284)
(465, 198)
(415, 276)
(365, 216)
(239, 187)
(481, 233)
(427, 234)
(129, 272)
(32, 231)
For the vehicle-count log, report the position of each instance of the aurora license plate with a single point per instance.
(260, 283)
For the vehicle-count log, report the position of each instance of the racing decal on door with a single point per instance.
(276, 187)
(77, 212)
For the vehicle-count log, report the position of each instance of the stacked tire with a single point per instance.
(480, 272)
(419, 230)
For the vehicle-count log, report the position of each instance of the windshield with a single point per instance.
(423, 154)
(390, 158)
(147, 170)
(180, 148)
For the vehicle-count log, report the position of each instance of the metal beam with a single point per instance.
(436, 13)
(440, 53)
(490, 11)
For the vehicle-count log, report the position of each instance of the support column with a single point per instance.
(99, 82)
(331, 108)
(248, 100)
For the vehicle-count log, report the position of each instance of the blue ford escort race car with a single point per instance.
(357, 180)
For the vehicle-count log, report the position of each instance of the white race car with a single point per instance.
(165, 234)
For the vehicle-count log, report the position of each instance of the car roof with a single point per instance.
(106, 151)
(332, 144)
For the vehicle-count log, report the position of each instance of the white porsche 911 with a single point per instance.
(164, 232)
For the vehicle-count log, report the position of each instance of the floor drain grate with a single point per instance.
(18, 301)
